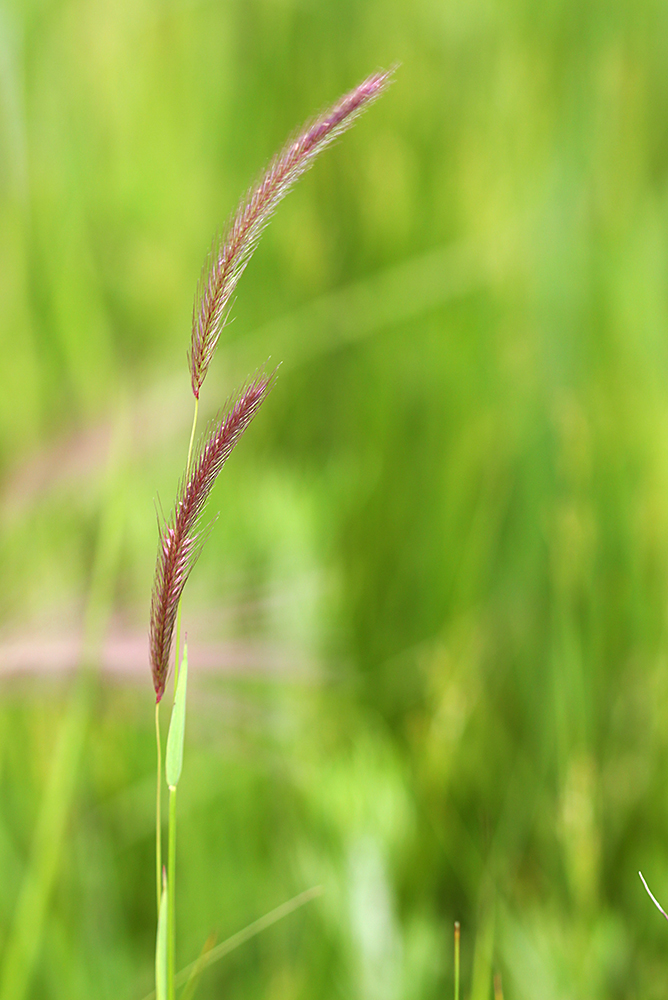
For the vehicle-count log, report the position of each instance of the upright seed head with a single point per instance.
(230, 255)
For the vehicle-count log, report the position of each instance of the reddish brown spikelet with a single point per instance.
(230, 255)
(180, 535)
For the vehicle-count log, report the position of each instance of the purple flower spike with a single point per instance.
(229, 255)
(181, 535)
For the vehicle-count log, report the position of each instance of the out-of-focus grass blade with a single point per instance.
(483, 954)
(384, 300)
(225, 947)
(22, 948)
(198, 969)
(23, 945)
(174, 757)
(161, 945)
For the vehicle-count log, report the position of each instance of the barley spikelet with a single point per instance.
(230, 255)
(181, 533)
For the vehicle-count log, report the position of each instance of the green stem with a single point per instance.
(158, 809)
(171, 873)
(457, 933)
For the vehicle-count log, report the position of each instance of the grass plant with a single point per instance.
(183, 534)
(437, 597)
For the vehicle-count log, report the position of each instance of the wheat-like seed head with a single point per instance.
(230, 254)
(181, 533)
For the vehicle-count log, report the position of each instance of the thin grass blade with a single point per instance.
(225, 947)
(198, 969)
(652, 896)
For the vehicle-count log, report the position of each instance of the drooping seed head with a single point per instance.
(181, 533)
(230, 255)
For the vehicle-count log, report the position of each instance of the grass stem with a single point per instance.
(171, 901)
(457, 935)
(158, 807)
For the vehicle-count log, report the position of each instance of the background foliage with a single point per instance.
(431, 620)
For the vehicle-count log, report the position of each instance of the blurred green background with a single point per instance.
(429, 644)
